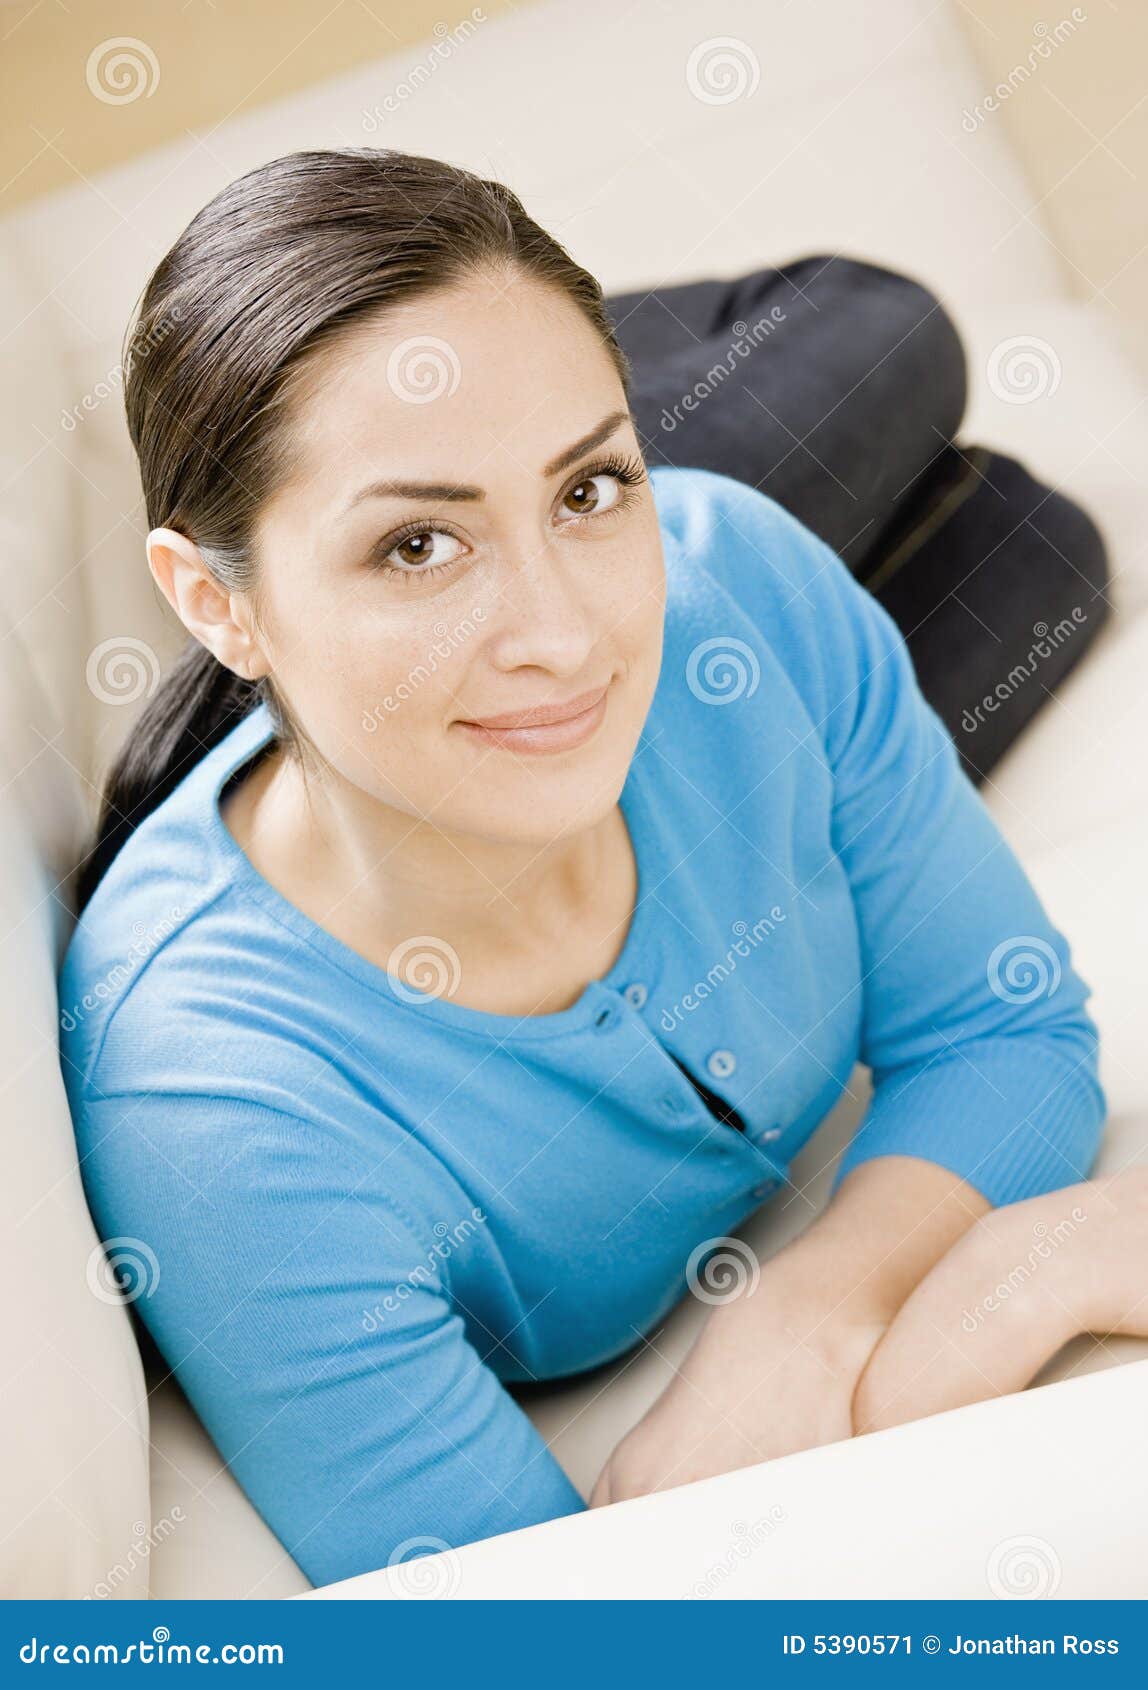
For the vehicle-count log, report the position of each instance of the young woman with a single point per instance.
(501, 889)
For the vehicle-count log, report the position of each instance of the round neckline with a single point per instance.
(635, 961)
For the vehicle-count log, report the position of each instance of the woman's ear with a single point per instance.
(218, 619)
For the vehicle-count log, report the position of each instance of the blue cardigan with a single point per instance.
(350, 1211)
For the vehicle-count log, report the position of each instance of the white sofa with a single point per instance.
(850, 141)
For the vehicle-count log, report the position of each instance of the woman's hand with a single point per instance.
(775, 1369)
(756, 1385)
(1005, 1298)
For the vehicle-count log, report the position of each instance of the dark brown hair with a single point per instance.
(269, 277)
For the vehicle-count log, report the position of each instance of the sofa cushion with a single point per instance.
(210, 1543)
(73, 1410)
(42, 579)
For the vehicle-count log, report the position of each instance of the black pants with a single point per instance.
(838, 387)
(849, 380)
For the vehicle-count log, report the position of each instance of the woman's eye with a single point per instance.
(421, 553)
(594, 494)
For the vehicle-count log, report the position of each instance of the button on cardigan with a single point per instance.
(351, 1211)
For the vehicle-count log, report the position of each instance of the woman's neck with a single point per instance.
(529, 925)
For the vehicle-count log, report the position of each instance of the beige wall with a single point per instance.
(1075, 104)
(194, 64)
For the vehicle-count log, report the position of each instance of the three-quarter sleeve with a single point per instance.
(973, 1022)
(307, 1317)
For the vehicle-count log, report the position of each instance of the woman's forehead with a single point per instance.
(468, 426)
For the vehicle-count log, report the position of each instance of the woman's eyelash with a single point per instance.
(627, 469)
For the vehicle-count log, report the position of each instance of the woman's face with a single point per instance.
(514, 568)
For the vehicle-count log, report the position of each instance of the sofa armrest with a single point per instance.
(849, 1520)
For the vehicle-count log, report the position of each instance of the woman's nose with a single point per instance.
(541, 613)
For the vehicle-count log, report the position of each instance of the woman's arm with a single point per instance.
(971, 1019)
(971, 1014)
(774, 1371)
(1017, 1286)
(310, 1323)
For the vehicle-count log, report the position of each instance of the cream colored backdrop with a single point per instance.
(1074, 101)
(1067, 82)
(63, 113)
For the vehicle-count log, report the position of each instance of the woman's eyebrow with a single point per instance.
(587, 444)
(458, 491)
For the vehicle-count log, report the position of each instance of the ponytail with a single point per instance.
(196, 704)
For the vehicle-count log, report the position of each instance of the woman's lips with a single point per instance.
(544, 736)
